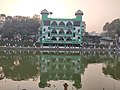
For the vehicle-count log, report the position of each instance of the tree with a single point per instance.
(106, 26)
(23, 25)
(113, 28)
(3, 15)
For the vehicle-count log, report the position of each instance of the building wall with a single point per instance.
(72, 34)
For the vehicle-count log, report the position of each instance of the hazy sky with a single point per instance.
(96, 12)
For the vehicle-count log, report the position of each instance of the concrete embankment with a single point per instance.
(52, 49)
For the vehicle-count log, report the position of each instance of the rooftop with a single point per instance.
(44, 12)
(79, 12)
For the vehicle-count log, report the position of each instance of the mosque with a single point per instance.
(61, 31)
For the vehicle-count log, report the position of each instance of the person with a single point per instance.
(65, 86)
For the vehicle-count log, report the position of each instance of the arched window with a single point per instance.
(68, 39)
(54, 23)
(61, 31)
(62, 24)
(53, 38)
(54, 31)
(69, 31)
(69, 24)
(61, 39)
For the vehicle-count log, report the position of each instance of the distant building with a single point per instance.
(106, 41)
(61, 31)
(93, 33)
(93, 39)
(83, 28)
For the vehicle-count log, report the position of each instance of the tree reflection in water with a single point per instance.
(112, 67)
(23, 65)
(18, 66)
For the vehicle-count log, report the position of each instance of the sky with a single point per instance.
(96, 12)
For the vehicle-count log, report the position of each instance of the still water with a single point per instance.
(32, 70)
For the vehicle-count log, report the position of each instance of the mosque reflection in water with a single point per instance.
(22, 65)
(60, 67)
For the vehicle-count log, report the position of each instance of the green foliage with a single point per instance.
(37, 44)
(22, 26)
(113, 28)
(112, 69)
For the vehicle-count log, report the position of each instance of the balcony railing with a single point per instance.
(59, 27)
(68, 35)
(53, 34)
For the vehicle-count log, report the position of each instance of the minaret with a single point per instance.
(44, 14)
(78, 15)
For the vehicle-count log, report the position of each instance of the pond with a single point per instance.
(32, 70)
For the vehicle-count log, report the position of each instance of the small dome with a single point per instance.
(79, 12)
(44, 12)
